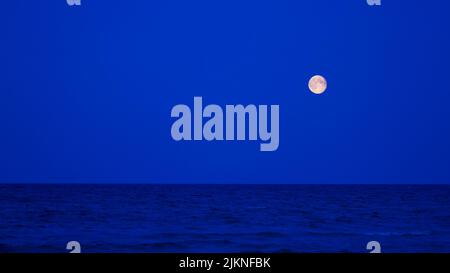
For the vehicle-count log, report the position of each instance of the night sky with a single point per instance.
(86, 92)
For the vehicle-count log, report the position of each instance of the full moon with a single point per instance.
(317, 84)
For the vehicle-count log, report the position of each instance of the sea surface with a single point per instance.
(224, 218)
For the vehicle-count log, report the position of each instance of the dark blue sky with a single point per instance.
(86, 92)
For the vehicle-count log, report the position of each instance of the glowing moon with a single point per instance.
(317, 84)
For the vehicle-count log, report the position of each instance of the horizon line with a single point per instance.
(222, 183)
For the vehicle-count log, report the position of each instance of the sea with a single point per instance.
(149, 218)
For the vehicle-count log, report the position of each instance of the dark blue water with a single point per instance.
(224, 218)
